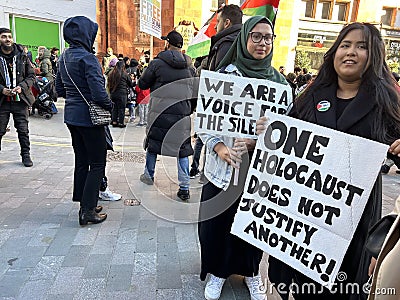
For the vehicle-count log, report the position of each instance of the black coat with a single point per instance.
(120, 94)
(220, 44)
(356, 119)
(25, 76)
(170, 80)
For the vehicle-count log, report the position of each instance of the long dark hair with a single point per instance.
(376, 77)
(115, 76)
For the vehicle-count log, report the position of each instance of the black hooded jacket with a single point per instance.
(170, 79)
(84, 69)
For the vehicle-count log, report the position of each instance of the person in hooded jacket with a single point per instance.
(80, 79)
(169, 124)
(46, 68)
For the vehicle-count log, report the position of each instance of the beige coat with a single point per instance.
(386, 280)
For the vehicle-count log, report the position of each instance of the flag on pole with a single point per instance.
(200, 44)
(266, 8)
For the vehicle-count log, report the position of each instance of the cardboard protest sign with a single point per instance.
(305, 192)
(229, 105)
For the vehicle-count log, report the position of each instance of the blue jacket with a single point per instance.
(85, 71)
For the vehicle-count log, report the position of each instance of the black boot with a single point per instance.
(90, 216)
(26, 160)
(97, 209)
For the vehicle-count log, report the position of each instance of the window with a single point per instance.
(397, 19)
(325, 8)
(215, 4)
(341, 11)
(309, 10)
(391, 17)
(387, 15)
(336, 10)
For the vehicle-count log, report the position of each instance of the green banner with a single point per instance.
(35, 33)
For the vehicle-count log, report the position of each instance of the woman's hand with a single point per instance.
(395, 148)
(242, 146)
(261, 125)
(229, 155)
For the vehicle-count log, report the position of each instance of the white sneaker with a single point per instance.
(256, 287)
(107, 195)
(214, 287)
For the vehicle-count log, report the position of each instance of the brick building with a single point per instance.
(119, 27)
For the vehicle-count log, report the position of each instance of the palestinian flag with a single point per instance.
(200, 44)
(266, 8)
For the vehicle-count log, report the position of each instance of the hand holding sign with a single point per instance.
(261, 125)
(395, 148)
(243, 146)
(229, 155)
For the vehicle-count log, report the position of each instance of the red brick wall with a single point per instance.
(119, 27)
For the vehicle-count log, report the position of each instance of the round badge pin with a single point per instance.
(323, 105)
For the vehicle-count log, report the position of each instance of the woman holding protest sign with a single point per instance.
(223, 254)
(354, 93)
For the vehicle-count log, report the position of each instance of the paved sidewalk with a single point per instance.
(149, 251)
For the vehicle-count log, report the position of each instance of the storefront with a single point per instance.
(392, 42)
(34, 33)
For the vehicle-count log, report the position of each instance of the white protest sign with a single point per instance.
(150, 17)
(305, 192)
(230, 105)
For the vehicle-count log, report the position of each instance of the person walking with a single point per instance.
(16, 79)
(118, 83)
(222, 253)
(169, 124)
(356, 81)
(80, 79)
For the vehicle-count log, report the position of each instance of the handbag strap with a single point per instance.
(66, 70)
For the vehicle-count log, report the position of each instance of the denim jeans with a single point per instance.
(89, 144)
(183, 169)
(131, 108)
(143, 108)
(19, 110)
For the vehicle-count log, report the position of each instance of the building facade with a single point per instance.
(311, 27)
(40, 24)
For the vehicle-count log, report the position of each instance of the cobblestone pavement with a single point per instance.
(149, 251)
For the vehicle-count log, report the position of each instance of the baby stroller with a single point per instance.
(45, 94)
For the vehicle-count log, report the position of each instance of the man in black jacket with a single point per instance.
(169, 77)
(16, 78)
(229, 23)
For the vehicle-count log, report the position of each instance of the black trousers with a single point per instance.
(19, 110)
(118, 112)
(90, 150)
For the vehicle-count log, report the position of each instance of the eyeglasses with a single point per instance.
(256, 37)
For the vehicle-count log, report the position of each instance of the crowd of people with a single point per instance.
(363, 93)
